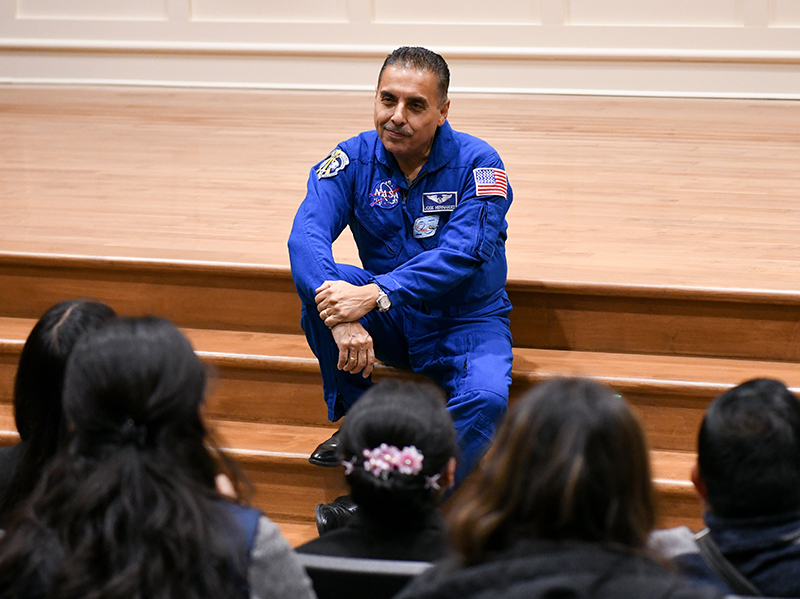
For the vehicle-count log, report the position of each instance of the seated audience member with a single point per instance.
(748, 473)
(128, 507)
(398, 448)
(561, 507)
(37, 396)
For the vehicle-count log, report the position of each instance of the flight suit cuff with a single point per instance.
(389, 286)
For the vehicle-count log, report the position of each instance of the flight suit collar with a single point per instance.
(443, 150)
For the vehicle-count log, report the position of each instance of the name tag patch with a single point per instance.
(335, 162)
(425, 226)
(385, 195)
(441, 201)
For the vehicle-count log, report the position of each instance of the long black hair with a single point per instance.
(399, 414)
(38, 386)
(128, 508)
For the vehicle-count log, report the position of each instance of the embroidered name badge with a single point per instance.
(441, 201)
(425, 226)
(335, 162)
(385, 195)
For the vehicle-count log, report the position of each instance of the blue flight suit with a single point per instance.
(437, 248)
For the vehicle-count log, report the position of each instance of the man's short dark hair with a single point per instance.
(423, 60)
(749, 450)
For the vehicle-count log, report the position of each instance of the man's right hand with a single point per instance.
(356, 353)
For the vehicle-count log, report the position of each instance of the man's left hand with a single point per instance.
(340, 301)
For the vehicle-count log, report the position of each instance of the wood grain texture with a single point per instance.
(645, 191)
(652, 245)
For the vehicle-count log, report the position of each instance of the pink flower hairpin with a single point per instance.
(385, 458)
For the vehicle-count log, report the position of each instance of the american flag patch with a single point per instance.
(490, 182)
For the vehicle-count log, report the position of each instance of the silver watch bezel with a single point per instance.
(383, 302)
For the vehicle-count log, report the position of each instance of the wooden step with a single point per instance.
(614, 318)
(286, 487)
(271, 377)
(643, 319)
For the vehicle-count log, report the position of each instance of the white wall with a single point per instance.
(716, 48)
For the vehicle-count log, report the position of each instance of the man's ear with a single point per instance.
(698, 482)
(449, 475)
(444, 110)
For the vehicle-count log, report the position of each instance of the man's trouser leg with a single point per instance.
(341, 389)
(471, 359)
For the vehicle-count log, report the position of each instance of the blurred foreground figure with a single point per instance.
(398, 449)
(561, 507)
(128, 507)
(37, 396)
(748, 473)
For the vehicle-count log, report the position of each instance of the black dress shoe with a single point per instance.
(327, 453)
(335, 514)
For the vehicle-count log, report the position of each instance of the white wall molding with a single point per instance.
(735, 49)
(379, 52)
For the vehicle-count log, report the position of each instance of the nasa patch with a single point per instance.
(441, 201)
(384, 195)
(335, 162)
(425, 226)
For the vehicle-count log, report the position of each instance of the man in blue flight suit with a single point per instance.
(426, 206)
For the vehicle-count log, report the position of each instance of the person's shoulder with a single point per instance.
(671, 542)
(470, 144)
(361, 144)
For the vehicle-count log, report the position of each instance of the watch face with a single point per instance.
(384, 303)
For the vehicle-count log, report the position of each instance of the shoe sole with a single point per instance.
(323, 463)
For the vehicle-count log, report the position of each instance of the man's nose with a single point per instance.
(399, 114)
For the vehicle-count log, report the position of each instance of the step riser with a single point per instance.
(645, 325)
(288, 489)
(678, 506)
(292, 491)
(671, 419)
(188, 297)
(266, 301)
(288, 492)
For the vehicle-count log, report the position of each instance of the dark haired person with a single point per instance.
(561, 507)
(128, 506)
(426, 206)
(37, 395)
(398, 449)
(748, 473)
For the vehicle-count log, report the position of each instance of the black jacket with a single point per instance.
(547, 569)
(424, 541)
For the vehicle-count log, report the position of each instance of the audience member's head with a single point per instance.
(38, 386)
(128, 507)
(749, 451)
(398, 447)
(570, 462)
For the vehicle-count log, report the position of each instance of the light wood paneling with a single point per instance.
(688, 193)
(447, 12)
(639, 228)
(92, 10)
(247, 11)
(710, 13)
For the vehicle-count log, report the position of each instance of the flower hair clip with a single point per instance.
(349, 465)
(385, 458)
(432, 482)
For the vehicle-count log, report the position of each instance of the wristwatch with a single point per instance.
(383, 302)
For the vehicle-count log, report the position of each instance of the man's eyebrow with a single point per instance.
(387, 94)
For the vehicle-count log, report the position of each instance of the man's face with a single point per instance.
(408, 112)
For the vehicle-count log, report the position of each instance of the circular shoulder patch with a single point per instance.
(335, 162)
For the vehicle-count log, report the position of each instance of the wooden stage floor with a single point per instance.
(633, 191)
